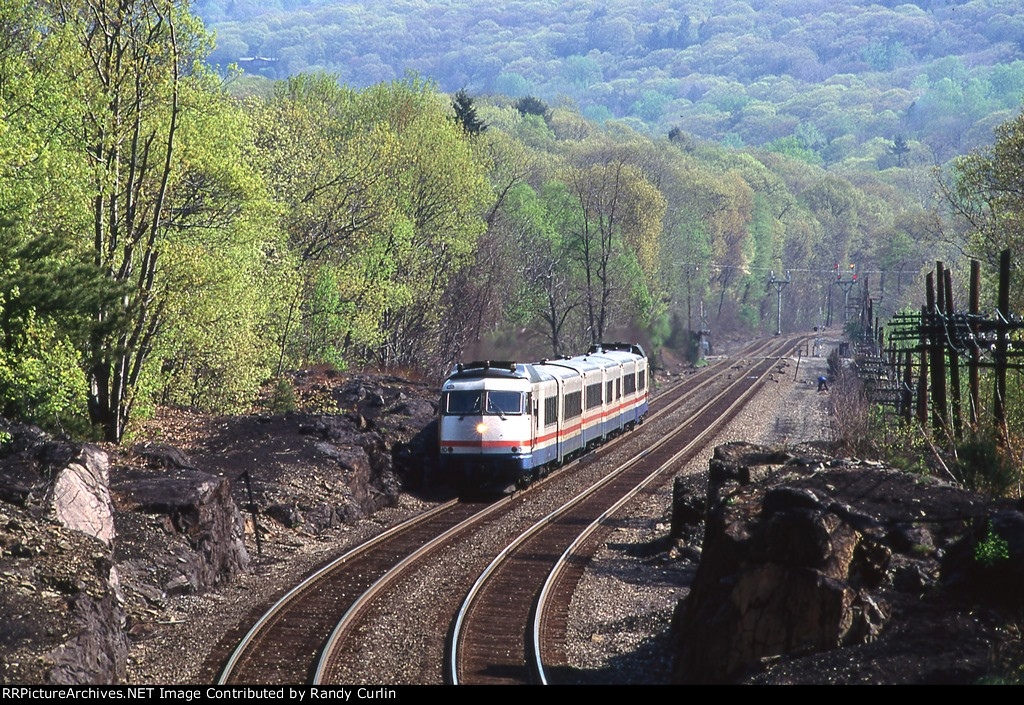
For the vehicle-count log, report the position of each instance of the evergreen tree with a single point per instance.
(899, 148)
(529, 105)
(465, 113)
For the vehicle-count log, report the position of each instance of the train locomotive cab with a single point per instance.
(503, 424)
(486, 424)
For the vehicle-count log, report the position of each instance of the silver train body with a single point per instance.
(504, 423)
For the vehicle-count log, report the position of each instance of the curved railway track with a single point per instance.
(304, 633)
(513, 618)
(349, 643)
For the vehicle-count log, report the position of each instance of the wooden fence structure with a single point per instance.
(916, 371)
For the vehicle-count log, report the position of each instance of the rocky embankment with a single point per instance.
(822, 570)
(796, 567)
(95, 542)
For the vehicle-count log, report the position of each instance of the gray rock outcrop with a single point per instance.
(203, 541)
(70, 580)
(781, 572)
(80, 497)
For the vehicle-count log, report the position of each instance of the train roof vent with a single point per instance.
(625, 347)
(487, 365)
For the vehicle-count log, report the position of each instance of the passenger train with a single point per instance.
(503, 424)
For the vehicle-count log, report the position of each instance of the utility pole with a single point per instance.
(779, 285)
(818, 331)
(846, 285)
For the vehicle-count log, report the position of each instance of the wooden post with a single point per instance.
(908, 380)
(865, 308)
(974, 310)
(828, 320)
(938, 359)
(954, 360)
(252, 509)
(922, 381)
(1002, 343)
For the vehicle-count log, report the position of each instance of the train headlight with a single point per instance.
(481, 428)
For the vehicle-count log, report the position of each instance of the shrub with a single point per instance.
(992, 549)
(282, 399)
(984, 466)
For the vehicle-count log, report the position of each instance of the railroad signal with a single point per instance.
(845, 285)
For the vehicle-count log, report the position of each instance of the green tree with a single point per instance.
(384, 188)
(985, 195)
(899, 149)
(529, 105)
(49, 286)
(167, 185)
(619, 219)
(540, 225)
(465, 113)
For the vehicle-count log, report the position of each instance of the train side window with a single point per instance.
(593, 395)
(550, 411)
(608, 393)
(618, 388)
(629, 384)
(642, 379)
(573, 405)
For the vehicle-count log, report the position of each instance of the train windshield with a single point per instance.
(504, 403)
(466, 402)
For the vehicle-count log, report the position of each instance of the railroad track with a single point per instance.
(304, 635)
(513, 620)
(351, 642)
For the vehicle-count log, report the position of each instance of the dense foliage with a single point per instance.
(163, 241)
(818, 80)
(984, 191)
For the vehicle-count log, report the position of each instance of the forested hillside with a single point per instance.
(862, 84)
(163, 241)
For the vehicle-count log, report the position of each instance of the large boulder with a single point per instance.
(61, 605)
(67, 481)
(782, 571)
(202, 541)
(80, 496)
(818, 569)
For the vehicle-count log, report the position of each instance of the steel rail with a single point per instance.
(453, 669)
(351, 616)
(540, 609)
(275, 609)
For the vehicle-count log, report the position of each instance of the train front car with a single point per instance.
(485, 426)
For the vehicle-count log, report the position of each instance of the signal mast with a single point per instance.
(779, 285)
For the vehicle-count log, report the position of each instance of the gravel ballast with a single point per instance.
(625, 597)
(622, 609)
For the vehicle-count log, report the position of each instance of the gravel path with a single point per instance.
(621, 611)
